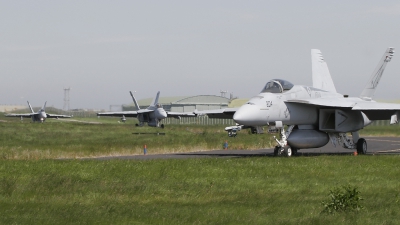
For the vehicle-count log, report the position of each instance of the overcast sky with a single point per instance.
(104, 49)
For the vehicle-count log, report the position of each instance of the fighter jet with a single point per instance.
(152, 115)
(39, 116)
(313, 115)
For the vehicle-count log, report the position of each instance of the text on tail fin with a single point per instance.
(373, 82)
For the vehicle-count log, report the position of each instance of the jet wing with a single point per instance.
(25, 115)
(119, 114)
(373, 110)
(226, 113)
(378, 110)
(57, 116)
(180, 114)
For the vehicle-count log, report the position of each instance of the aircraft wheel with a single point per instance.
(294, 151)
(232, 134)
(137, 125)
(287, 151)
(277, 151)
(361, 146)
(162, 126)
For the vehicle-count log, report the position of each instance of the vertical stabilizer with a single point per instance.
(134, 101)
(155, 101)
(320, 73)
(44, 106)
(29, 104)
(369, 90)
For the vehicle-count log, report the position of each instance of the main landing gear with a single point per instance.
(350, 143)
(361, 146)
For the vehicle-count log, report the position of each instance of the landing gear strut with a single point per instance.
(283, 148)
(350, 143)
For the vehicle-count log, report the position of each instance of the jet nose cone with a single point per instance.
(162, 114)
(246, 115)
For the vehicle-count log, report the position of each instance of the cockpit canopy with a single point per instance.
(277, 86)
(159, 105)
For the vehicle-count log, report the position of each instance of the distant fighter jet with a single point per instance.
(314, 115)
(152, 115)
(39, 116)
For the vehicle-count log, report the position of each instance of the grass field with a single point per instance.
(61, 139)
(38, 188)
(262, 190)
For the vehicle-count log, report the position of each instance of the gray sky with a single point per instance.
(104, 49)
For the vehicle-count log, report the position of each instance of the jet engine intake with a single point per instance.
(336, 120)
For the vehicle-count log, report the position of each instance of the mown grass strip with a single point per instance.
(259, 190)
(58, 139)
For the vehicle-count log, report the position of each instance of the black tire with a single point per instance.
(277, 150)
(162, 126)
(294, 151)
(288, 151)
(137, 125)
(362, 146)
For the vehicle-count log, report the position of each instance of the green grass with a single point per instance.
(87, 138)
(36, 189)
(260, 190)
(388, 131)
(91, 137)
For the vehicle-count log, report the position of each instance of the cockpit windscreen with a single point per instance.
(277, 86)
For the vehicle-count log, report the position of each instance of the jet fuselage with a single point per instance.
(267, 108)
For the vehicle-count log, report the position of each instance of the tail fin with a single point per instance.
(320, 73)
(155, 101)
(134, 101)
(44, 106)
(373, 82)
(30, 107)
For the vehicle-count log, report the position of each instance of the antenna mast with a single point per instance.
(66, 99)
(223, 93)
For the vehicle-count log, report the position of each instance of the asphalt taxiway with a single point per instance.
(376, 145)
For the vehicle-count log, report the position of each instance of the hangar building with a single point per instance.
(185, 104)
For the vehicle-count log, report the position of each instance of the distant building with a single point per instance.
(184, 104)
(8, 108)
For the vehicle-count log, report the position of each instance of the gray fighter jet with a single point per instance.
(39, 116)
(152, 115)
(313, 115)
